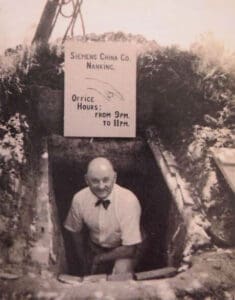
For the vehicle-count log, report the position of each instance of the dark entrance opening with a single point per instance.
(137, 171)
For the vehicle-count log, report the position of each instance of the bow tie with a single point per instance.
(105, 203)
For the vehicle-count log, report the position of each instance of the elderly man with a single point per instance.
(111, 214)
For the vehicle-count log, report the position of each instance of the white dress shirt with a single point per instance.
(117, 225)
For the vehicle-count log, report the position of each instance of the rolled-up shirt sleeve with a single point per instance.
(74, 220)
(130, 222)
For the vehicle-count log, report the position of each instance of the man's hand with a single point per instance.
(119, 252)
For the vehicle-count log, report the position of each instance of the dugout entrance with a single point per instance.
(137, 170)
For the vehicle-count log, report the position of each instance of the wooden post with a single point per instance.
(44, 28)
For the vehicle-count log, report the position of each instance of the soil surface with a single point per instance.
(211, 276)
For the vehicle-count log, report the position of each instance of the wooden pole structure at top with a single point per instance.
(44, 27)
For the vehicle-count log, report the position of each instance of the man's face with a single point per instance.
(101, 180)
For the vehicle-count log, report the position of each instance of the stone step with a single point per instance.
(95, 278)
(120, 277)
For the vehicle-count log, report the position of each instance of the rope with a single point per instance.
(76, 6)
(76, 10)
(82, 22)
(64, 3)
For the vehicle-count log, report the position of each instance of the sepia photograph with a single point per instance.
(117, 149)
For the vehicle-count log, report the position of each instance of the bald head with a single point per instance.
(100, 177)
(99, 164)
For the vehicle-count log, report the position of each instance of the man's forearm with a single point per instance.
(119, 252)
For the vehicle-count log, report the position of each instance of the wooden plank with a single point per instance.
(44, 28)
(225, 160)
(156, 274)
(69, 279)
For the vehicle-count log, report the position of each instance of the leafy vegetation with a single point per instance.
(184, 86)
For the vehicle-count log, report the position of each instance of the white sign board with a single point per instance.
(100, 89)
